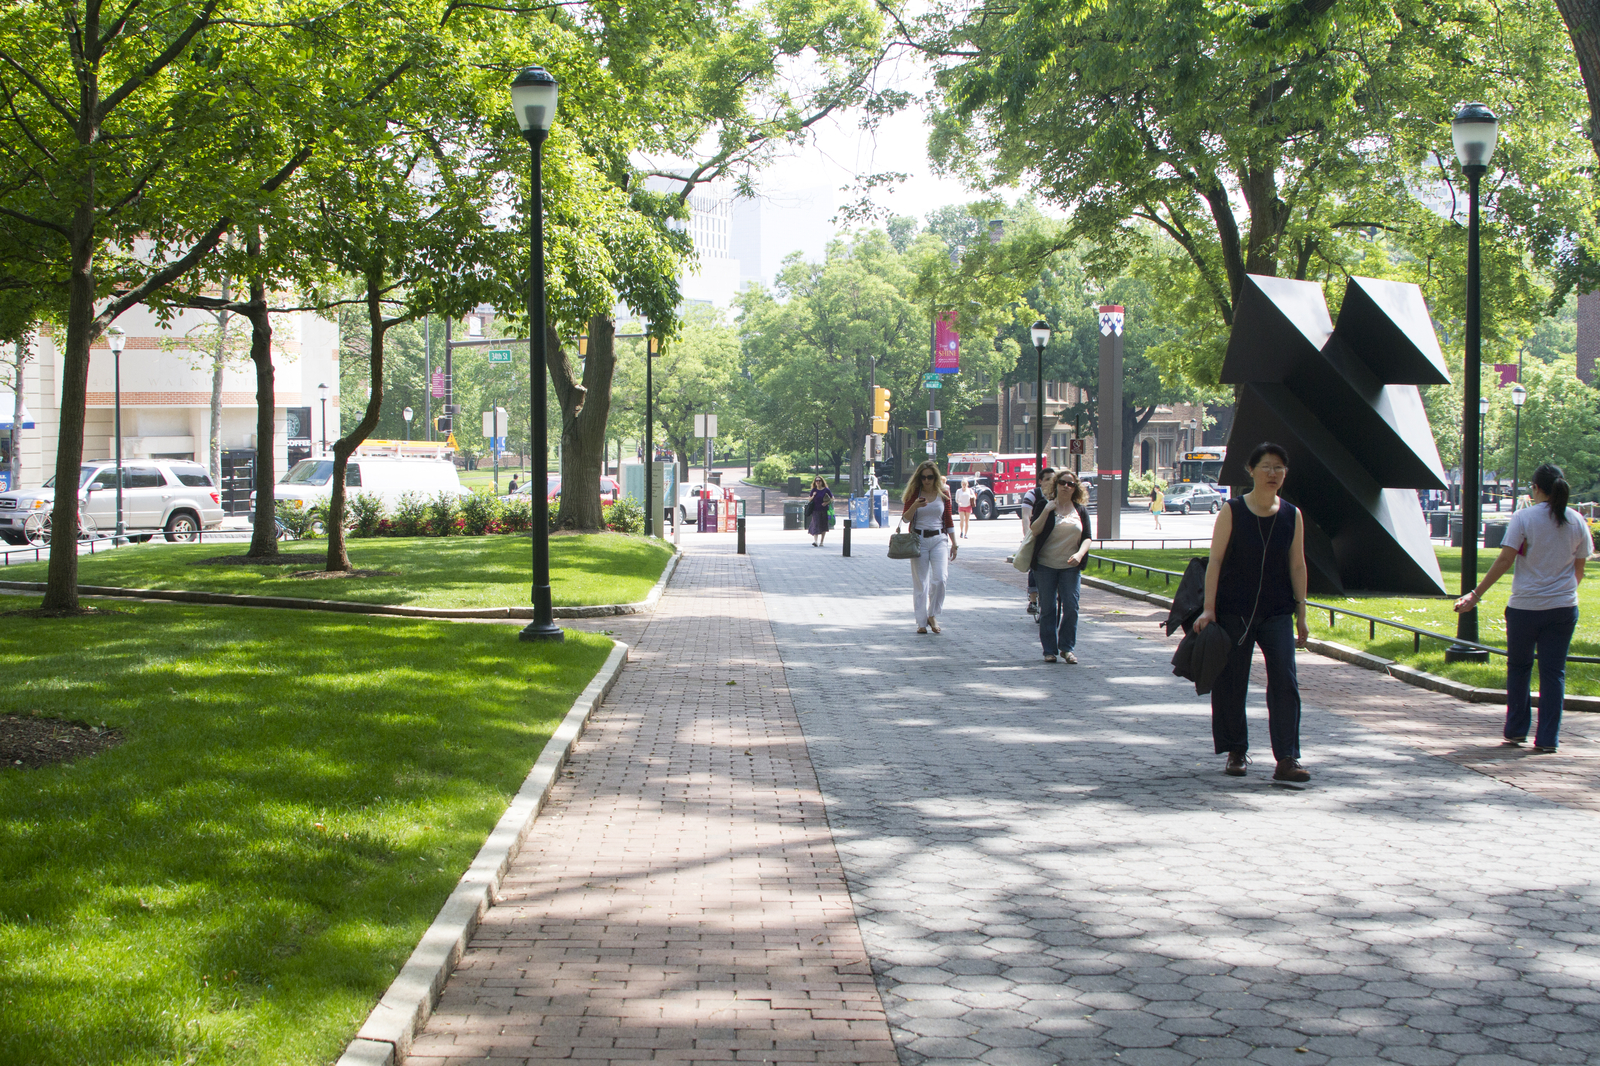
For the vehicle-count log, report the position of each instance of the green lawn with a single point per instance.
(296, 796)
(418, 571)
(1431, 613)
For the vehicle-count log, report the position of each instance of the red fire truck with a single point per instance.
(999, 479)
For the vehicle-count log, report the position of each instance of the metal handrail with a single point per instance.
(1373, 622)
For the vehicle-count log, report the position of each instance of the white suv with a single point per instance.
(174, 496)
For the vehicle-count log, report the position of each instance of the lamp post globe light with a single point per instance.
(118, 339)
(406, 414)
(1194, 428)
(322, 391)
(533, 102)
(1473, 131)
(1519, 396)
(1041, 339)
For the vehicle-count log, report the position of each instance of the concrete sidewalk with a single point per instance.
(875, 846)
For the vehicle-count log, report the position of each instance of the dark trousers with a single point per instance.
(1551, 633)
(1058, 608)
(1275, 637)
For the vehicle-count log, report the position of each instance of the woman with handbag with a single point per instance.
(926, 508)
(1256, 588)
(1061, 534)
(817, 511)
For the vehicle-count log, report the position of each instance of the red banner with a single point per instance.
(1507, 372)
(946, 344)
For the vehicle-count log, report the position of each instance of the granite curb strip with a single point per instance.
(1400, 672)
(599, 610)
(385, 1038)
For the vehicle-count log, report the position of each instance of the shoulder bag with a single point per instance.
(904, 545)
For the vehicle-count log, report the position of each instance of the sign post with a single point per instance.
(1108, 505)
(706, 426)
(494, 428)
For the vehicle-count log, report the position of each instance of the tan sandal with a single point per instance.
(934, 626)
(922, 629)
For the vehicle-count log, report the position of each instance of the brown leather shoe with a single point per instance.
(1236, 764)
(1291, 770)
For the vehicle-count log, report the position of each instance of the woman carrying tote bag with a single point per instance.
(1060, 548)
(925, 506)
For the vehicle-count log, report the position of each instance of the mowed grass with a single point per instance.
(417, 571)
(296, 796)
(1430, 613)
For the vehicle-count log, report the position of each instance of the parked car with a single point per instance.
(171, 496)
(1189, 497)
(609, 489)
(388, 477)
(689, 494)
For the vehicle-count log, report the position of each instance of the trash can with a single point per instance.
(880, 507)
(1455, 531)
(794, 514)
(1494, 534)
(860, 512)
(1438, 523)
(793, 488)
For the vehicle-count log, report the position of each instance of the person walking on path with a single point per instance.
(964, 497)
(817, 511)
(1549, 546)
(1028, 508)
(1060, 547)
(1156, 501)
(512, 488)
(926, 508)
(1256, 589)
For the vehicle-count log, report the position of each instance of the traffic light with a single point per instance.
(880, 410)
(441, 424)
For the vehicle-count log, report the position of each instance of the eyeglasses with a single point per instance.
(1269, 470)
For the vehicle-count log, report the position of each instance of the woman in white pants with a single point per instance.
(926, 508)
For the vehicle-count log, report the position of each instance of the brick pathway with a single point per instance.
(680, 898)
(1048, 865)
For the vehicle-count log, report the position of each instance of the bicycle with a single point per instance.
(36, 528)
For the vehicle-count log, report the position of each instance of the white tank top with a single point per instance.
(929, 516)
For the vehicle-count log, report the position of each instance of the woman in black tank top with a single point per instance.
(1256, 591)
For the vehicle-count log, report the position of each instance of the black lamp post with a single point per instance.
(1519, 396)
(322, 391)
(650, 436)
(117, 339)
(533, 101)
(1194, 429)
(1483, 418)
(1041, 338)
(1473, 131)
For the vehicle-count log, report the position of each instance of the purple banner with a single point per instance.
(946, 344)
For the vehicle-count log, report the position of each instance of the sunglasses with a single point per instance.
(930, 477)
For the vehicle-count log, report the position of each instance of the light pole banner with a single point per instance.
(946, 344)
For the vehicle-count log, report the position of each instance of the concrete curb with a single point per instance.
(599, 610)
(1400, 672)
(385, 1039)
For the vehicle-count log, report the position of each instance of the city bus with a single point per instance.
(1203, 465)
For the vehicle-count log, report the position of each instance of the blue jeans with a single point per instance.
(1229, 732)
(1551, 633)
(1058, 608)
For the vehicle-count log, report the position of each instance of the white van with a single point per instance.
(385, 469)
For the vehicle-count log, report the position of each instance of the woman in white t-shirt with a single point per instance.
(1549, 545)
(964, 497)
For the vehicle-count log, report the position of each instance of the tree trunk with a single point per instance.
(61, 584)
(585, 408)
(1583, 26)
(264, 530)
(16, 418)
(346, 445)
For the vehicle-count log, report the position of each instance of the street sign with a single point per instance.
(438, 384)
(933, 434)
(933, 447)
(705, 425)
(1075, 446)
(494, 422)
(932, 381)
(500, 355)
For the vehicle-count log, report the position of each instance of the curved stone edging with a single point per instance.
(386, 1036)
(1399, 671)
(599, 610)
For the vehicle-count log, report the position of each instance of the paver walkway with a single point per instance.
(1049, 867)
(680, 897)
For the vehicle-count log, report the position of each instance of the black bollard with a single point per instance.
(847, 538)
(740, 523)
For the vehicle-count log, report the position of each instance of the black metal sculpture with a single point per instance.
(1343, 400)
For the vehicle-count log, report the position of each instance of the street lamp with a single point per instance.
(118, 339)
(1519, 396)
(406, 414)
(533, 101)
(322, 391)
(1473, 131)
(1041, 338)
(1194, 430)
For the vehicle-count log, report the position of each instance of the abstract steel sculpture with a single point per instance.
(1343, 400)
